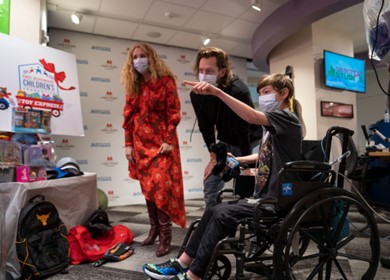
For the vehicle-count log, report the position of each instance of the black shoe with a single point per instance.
(385, 261)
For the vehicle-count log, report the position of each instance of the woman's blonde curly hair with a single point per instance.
(132, 80)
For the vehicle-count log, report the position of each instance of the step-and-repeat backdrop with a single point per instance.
(99, 63)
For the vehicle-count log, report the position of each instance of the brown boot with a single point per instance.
(165, 233)
(153, 219)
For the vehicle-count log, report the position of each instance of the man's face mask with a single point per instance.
(268, 103)
(141, 64)
(211, 79)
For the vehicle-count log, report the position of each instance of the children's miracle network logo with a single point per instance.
(66, 44)
(64, 144)
(109, 65)
(183, 59)
(109, 96)
(109, 129)
(109, 162)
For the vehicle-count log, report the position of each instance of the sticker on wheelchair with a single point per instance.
(287, 189)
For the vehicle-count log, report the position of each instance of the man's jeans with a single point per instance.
(214, 184)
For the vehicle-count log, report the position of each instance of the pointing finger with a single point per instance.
(191, 83)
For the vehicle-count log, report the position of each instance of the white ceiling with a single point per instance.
(182, 23)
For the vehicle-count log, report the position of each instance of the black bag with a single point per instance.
(98, 223)
(41, 240)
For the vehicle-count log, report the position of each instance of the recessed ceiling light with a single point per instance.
(76, 17)
(256, 5)
(154, 34)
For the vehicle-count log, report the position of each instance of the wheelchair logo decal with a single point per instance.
(287, 189)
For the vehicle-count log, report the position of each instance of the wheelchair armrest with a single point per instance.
(307, 165)
(264, 208)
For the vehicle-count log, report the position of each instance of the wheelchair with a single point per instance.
(305, 235)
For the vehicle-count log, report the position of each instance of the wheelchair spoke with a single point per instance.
(317, 269)
(337, 263)
(351, 237)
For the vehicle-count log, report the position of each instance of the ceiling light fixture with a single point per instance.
(255, 4)
(76, 17)
(206, 40)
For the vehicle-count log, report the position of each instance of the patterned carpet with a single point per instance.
(135, 217)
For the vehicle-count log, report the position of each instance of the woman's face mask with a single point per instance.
(268, 103)
(141, 64)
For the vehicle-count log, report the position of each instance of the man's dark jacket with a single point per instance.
(213, 114)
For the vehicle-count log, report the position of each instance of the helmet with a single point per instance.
(70, 165)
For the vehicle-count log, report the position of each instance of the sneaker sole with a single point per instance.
(157, 276)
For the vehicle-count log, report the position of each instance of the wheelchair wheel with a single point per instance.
(322, 219)
(221, 269)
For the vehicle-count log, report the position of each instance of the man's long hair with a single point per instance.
(132, 80)
(223, 61)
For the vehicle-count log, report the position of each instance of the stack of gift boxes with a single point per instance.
(24, 162)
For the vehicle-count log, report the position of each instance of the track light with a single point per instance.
(76, 17)
(255, 4)
(206, 40)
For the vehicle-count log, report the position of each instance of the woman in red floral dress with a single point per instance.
(151, 115)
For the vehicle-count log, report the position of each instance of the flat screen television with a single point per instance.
(344, 72)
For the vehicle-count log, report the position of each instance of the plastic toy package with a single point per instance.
(377, 26)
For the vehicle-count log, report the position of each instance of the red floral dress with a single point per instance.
(150, 120)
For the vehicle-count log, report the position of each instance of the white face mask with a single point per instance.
(267, 103)
(211, 79)
(141, 64)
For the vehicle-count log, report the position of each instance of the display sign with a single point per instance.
(39, 79)
(338, 110)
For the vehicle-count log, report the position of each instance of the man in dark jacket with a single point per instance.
(217, 122)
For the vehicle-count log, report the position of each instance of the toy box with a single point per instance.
(37, 154)
(11, 152)
(25, 173)
(7, 174)
(31, 120)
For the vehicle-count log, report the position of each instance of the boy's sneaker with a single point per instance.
(167, 270)
(182, 276)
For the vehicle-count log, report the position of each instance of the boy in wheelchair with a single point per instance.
(281, 143)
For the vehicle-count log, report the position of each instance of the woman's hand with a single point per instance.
(202, 88)
(165, 148)
(130, 154)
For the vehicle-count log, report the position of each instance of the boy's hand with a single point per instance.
(202, 88)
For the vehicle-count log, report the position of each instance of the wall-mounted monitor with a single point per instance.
(344, 72)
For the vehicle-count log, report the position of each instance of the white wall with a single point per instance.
(297, 51)
(25, 19)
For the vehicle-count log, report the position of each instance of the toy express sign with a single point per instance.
(39, 84)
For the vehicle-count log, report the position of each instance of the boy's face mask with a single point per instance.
(268, 102)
